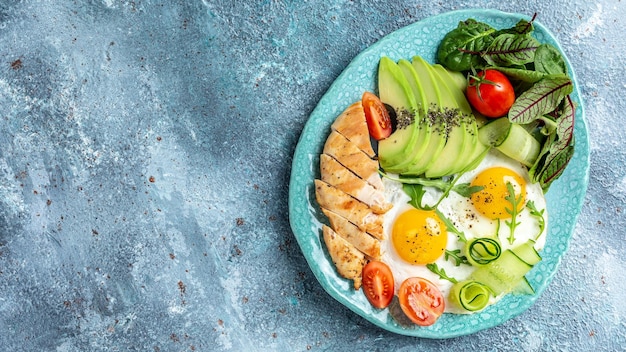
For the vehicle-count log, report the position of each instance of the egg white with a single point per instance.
(460, 211)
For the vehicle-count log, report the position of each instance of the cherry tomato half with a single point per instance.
(490, 92)
(377, 116)
(421, 301)
(378, 284)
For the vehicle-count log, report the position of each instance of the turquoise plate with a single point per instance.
(564, 198)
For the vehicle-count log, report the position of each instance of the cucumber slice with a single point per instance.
(503, 274)
(524, 287)
(520, 145)
(527, 252)
(495, 132)
(470, 295)
(482, 251)
(511, 139)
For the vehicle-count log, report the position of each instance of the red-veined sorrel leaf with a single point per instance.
(511, 49)
(554, 168)
(543, 97)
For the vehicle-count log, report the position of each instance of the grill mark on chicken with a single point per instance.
(353, 158)
(345, 180)
(348, 260)
(352, 125)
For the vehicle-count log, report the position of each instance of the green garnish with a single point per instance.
(450, 227)
(456, 256)
(440, 184)
(466, 189)
(441, 272)
(537, 214)
(515, 201)
(416, 192)
(541, 77)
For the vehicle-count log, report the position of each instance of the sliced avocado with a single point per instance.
(456, 78)
(422, 127)
(475, 157)
(394, 90)
(468, 121)
(479, 153)
(437, 139)
(458, 138)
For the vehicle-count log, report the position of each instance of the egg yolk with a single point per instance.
(492, 200)
(419, 236)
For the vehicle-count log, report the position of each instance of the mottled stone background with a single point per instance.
(145, 154)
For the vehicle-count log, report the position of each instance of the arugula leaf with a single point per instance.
(440, 184)
(414, 187)
(538, 215)
(450, 226)
(456, 256)
(542, 98)
(466, 190)
(515, 201)
(441, 272)
(511, 49)
(416, 192)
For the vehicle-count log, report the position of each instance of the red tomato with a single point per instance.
(421, 301)
(378, 284)
(377, 116)
(490, 92)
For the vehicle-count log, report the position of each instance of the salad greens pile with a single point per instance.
(540, 78)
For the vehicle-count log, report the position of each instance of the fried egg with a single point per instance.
(414, 238)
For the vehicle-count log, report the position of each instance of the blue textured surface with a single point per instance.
(145, 153)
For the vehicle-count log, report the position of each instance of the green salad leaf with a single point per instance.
(548, 60)
(521, 74)
(460, 49)
(538, 72)
(466, 189)
(416, 192)
(539, 215)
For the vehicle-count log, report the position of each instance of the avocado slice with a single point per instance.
(422, 127)
(455, 78)
(458, 137)
(438, 134)
(394, 90)
(474, 150)
(449, 164)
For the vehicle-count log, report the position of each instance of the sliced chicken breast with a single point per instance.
(339, 176)
(352, 125)
(364, 242)
(348, 260)
(353, 210)
(353, 158)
